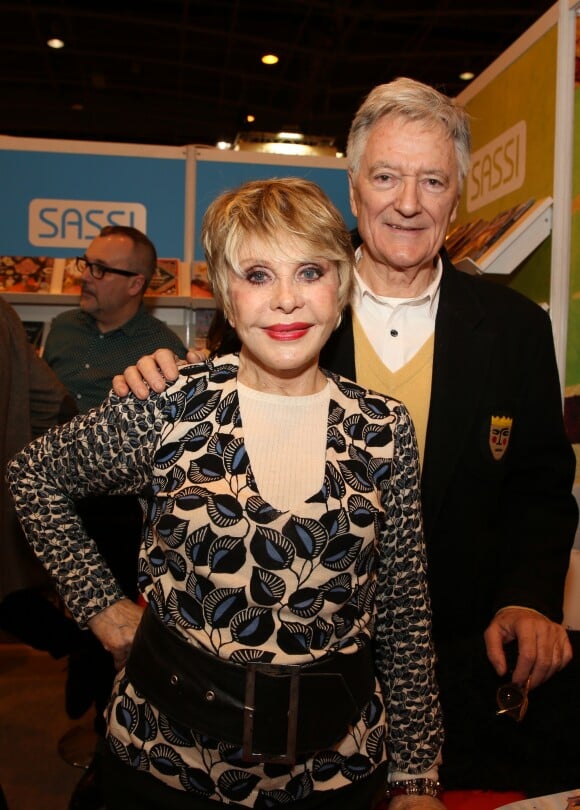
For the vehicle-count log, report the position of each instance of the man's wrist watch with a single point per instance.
(414, 787)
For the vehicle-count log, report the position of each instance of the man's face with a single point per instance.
(405, 193)
(107, 297)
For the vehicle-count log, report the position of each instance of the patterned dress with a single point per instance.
(245, 581)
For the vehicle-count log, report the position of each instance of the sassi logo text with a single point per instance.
(75, 223)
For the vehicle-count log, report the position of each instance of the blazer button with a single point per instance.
(174, 680)
(210, 696)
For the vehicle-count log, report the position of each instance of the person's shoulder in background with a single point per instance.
(68, 317)
(157, 334)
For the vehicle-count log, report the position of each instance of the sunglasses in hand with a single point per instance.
(512, 700)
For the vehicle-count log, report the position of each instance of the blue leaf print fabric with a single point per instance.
(244, 580)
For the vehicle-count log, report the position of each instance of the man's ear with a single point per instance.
(352, 195)
(454, 211)
(136, 284)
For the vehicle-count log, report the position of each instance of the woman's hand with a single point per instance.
(415, 803)
(152, 372)
(115, 627)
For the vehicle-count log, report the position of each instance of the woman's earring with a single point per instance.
(339, 321)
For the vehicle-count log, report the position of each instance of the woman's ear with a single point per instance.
(229, 318)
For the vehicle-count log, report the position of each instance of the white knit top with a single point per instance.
(285, 438)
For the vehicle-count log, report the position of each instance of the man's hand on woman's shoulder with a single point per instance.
(152, 372)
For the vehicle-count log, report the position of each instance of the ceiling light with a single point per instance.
(466, 75)
(250, 118)
(270, 59)
(55, 42)
(293, 144)
(291, 136)
(223, 145)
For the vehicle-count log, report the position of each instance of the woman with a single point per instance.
(284, 657)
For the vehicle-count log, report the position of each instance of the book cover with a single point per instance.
(165, 280)
(199, 284)
(71, 278)
(36, 332)
(28, 274)
(473, 239)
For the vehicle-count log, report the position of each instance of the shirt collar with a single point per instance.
(130, 327)
(430, 295)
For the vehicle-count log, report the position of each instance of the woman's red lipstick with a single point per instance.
(287, 331)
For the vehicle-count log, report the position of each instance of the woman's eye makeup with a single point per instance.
(255, 275)
(307, 271)
(312, 272)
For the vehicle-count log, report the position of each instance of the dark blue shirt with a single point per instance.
(86, 360)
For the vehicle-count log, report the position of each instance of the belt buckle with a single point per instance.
(291, 671)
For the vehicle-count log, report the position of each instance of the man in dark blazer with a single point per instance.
(477, 363)
(497, 468)
(498, 532)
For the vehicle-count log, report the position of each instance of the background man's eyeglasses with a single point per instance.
(512, 700)
(98, 270)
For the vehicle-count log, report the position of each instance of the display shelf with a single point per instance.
(177, 311)
(188, 317)
(514, 245)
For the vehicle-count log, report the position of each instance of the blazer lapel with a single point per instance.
(462, 355)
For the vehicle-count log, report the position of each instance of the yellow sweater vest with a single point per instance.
(411, 383)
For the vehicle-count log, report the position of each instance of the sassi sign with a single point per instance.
(497, 168)
(75, 223)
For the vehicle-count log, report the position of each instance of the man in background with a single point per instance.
(86, 347)
(474, 362)
(31, 401)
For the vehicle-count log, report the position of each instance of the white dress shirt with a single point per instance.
(397, 327)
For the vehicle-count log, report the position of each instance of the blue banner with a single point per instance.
(54, 203)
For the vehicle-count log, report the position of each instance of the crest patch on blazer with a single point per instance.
(499, 435)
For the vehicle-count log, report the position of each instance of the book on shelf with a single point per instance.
(474, 238)
(70, 277)
(500, 244)
(26, 274)
(59, 276)
(199, 284)
(37, 332)
(165, 280)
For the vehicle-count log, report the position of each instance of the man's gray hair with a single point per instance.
(417, 102)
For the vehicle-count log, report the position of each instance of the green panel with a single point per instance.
(524, 91)
(532, 277)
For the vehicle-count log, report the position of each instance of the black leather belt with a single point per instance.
(276, 713)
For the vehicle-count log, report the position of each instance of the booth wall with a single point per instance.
(573, 357)
(513, 126)
(56, 195)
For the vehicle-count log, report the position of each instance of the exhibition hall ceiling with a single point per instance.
(182, 71)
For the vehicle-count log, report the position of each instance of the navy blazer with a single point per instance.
(498, 531)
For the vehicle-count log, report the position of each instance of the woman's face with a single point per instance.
(284, 306)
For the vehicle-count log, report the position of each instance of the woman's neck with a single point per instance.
(294, 383)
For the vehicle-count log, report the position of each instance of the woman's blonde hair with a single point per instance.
(269, 210)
